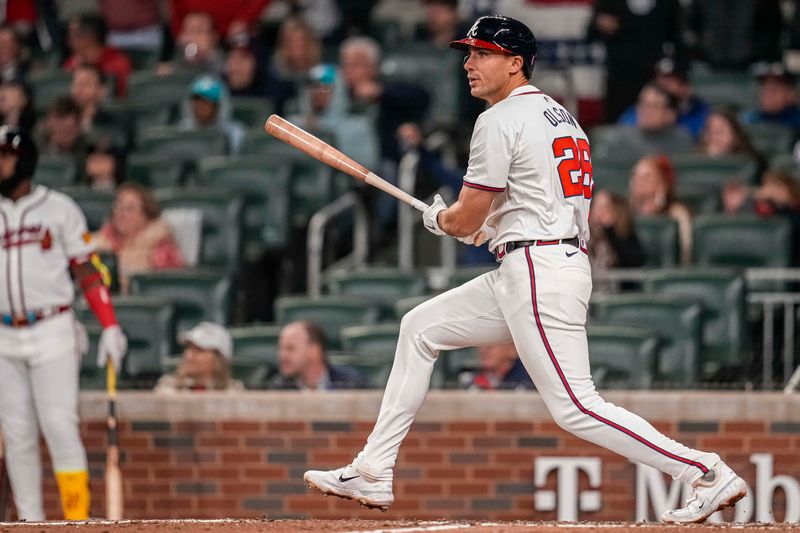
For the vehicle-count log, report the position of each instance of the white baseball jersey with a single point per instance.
(41, 233)
(543, 173)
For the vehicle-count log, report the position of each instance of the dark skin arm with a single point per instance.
(467, 214)
(81, 271)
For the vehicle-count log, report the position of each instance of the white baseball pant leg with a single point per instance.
(539, 297)
(41, 388)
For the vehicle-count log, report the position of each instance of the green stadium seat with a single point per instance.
(728, 89)
(264, 186)
(109, 259)
(374, 340)
(222, 222)
(771, 139)
(461, 275)
(149, 324)
(658, 236)
(188, 146)
(711, 173)
(722, 293)
(55, 171)
(331, 313)
(622, 357)
(785, 162)
(602, 140)
(251, 111)
(612, 173)
(375, 370)
(142, 58)
(742, 241)
(311, 186)
(678, 322)
(154, 170)
(251, 372)
(96, 205)
(138, 113)
(404, 305)
(198, 295)
(454, 362)
(257, 342)
(47, 85)
(146, 84)
(383, 286)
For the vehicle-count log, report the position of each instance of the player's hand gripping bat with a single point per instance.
(297, 137)
(114, 496)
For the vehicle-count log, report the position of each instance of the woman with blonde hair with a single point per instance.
(136, 233)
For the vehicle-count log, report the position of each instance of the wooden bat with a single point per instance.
(114, 497)
(299, 138)
(5, 484)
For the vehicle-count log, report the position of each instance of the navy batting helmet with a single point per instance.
(504, 34)
(15, 141)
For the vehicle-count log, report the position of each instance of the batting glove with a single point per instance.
(430, 215)
(484, 234)
(113, 346)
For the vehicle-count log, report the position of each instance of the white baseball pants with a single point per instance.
(39, 367)
(538, 298)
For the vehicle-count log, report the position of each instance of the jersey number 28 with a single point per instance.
(574, 171)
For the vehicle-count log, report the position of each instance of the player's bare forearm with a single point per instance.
(468, 213)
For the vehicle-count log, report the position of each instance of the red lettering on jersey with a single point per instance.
(577, 158)
(47, 240)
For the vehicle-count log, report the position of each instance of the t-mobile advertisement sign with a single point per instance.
(654, 494)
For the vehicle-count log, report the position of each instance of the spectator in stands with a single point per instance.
(208, 105)
(16, 105)
(297, 51)
(652, 192)
(229, 17)
(673, 77)
(104, 167)
(614, 243)
(442, 24)
(133, 24)
(636, 35)
(86, 35)
(756, 24)
(12, 65)
(723, 135)
(88, 90)
(324, 16)
(137, 234)
(243, 71)
(197, 46)
(205, 366)
(656, 130)
(777, 98)
(500, 369)
(60, 134)
(304, 366)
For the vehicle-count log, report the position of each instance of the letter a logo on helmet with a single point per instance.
(502, 34)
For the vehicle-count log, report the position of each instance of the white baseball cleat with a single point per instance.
(718, 489)
(347, 483)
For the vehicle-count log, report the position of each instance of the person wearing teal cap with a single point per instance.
(208, 105)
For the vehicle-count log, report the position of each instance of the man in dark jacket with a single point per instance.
(303, 365)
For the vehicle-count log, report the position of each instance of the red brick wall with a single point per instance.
(465, 468)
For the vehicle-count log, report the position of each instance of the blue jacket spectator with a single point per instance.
(777, 98)
(500, 369)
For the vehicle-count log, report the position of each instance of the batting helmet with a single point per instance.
(15, 141)
(504, 34)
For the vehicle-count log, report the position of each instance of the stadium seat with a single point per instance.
(771, 139)
(729, 89)
(676, 319)
(404, 305)
(251, 111)
(264, 186)
(331, 313)
(454, 362)
(55, 171)
(612, 174)
(142, 58)
(198, 295)
(109, 259)
(222, 222)
(601, 139)
(658, 237)
(722, 293)
(154, 170)
(149, 323)
(375, 370)
(622, 357)
(147, 84)
(137, 113)
(742, 241)
(96, 205)
(374, 340)
(311, 186)
(257, 341)
(711, 173)
(383, 286)
(187, 146)
(461, 275)
(47, 85)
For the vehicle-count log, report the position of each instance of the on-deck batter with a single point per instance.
(43, 237)
(528, 187)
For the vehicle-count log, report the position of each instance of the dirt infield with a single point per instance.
(377, 526)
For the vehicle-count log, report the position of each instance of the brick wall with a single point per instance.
(467, 456)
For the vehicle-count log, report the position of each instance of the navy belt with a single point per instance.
(509, 247)
(32, 317)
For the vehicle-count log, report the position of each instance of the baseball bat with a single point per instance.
(299, 138)
(114, 505)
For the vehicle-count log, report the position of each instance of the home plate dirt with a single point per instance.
(377, 526)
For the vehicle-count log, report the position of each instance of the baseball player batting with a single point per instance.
(44, 239)
(528, 186)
